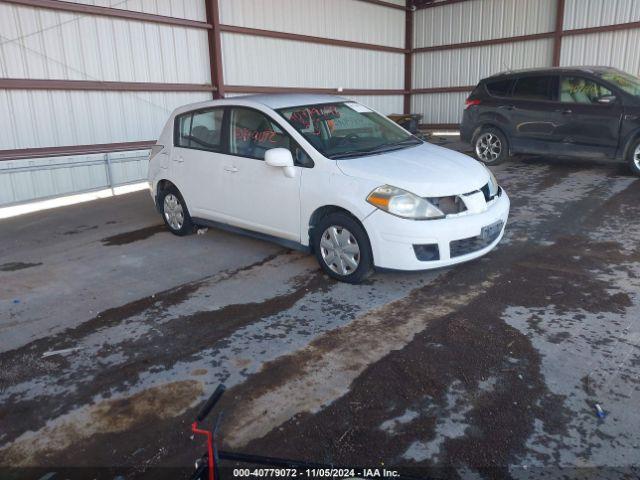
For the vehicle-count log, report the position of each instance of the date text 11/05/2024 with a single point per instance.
(315, 473)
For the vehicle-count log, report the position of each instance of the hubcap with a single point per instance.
(173, 211)
(488, 147)
(340, 250)
(636, 157)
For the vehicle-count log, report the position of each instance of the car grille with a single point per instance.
(458, 248)
(448, 205)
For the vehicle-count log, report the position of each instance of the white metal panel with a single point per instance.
(614, 49)
(463, 67)
(596, 13)
(250, 60)
(31, 119)
(189, 9)
(476, 20)
(439, 107)
(41, 43)
(384, 104)
(340, 19)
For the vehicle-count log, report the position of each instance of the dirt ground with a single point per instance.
(490, 369)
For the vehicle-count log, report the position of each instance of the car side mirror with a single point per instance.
(281, 157)
(607, 100)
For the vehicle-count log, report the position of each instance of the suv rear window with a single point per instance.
(500, 88)
(534, 88)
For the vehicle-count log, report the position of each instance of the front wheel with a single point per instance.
(342, 248)
(634, 157)
(491, 146)
(174, 212)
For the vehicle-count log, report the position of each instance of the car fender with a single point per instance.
(334, 190)
(627, 143)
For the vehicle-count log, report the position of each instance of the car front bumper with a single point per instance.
(393, 238)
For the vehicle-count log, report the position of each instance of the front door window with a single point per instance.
(582, 90)
(252, 133)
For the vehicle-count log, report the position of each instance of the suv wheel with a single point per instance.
(174, 212)
(342, 248)
(634, 157)
(491, 146)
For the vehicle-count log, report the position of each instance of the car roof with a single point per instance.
(283, 100)
(557, 70)
(271, 100)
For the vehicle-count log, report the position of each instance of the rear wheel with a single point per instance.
(342, 248)
(634, 157)
(174, 212)
(491, 146)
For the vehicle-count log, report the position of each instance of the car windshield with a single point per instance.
(626, 82)
(347, 129)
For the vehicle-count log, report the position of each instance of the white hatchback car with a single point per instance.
(327, 175)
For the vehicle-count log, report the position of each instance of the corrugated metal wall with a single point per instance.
(259, 61)
(617, 49)
(596, 13)
(472, 21)
(466, 66)
(481, 20)
(45, 44)
(39, 43)
(340, 19)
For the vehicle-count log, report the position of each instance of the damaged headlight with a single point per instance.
(493, 183)
(403, 204)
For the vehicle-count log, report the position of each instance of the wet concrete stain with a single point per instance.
(80, 229)
(15, 266)
(167, 343)
(133, 236)
(105, 417)
(467, 346)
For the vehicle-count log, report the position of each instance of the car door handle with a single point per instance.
(564, 111)
(507, 107)
(178, 159)
(230, 169)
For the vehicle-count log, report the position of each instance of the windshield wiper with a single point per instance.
(392, 146)
(354, 153)
(384, 147)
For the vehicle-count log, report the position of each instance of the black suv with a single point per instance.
(586, 112)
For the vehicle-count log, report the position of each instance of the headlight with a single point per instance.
(403, 204)
(493, 184)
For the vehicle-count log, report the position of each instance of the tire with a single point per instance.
(634, 157)
(342, 248)
(491, 146)
(174, 212)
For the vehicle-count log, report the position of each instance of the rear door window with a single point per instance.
(534, 88)
(500, 88)
(201, 130)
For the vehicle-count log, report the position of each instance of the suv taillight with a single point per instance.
(470, 103)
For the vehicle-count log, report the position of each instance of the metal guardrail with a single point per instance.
(28, 180)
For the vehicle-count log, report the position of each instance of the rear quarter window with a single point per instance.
(534, 88)
(500, 88)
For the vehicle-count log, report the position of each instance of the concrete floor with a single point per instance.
(490, 369)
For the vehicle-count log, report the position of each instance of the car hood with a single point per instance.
(426, 170)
